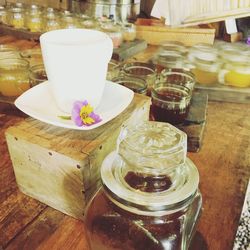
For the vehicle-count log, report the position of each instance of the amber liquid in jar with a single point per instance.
(113, 228)
(172, 113)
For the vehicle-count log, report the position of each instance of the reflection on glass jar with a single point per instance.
(205, 63)
(113, 69)
(14, 77)
(170, 102)
(142, 70)
(236, 68)
(138, 85)
(150, 197)
(37, 74)
(178, 77)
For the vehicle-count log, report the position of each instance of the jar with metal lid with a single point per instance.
(17, 18)
(14, 77)
(235, 70)
(149, 197)
(34, 20)
(205, 63)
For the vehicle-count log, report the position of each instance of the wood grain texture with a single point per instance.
(223, 164)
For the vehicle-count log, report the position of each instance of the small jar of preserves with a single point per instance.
(236, 68)
(8, 51)
(14, 77)
(205, 64)
(51, 20)
(17, 18)
(34, 20)
(68, 20)
(150, 197)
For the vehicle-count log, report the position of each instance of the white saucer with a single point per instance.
(39, 103)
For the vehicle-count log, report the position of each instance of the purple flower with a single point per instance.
(82, 114)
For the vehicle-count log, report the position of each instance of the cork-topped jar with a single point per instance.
(149, 198)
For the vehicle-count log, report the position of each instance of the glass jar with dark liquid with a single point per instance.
(170, 102)
(149, 199)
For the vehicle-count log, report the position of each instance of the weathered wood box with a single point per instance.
(60, 167)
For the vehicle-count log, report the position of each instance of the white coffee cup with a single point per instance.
(76, 62)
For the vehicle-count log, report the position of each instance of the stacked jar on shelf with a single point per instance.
(35, 18)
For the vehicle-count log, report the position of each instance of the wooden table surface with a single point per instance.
(223, 164)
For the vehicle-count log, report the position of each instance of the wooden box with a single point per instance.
(154, 32)
(60, 167)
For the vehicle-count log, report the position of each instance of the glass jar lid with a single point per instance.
(150, 159)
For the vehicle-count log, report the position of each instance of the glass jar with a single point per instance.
(34, 20)
(51, 20)
(173, 46)
(114, 31)
(205, 64)
(14, 77)
(17, 18)
(138, 85)
(170, 103)
(37, 74)
(8, 51)
(68, 20)
(113, 69)
(179, 77)
(150, 197)
(129, 32)
(3, 15)
(146, 71)
(236, 68)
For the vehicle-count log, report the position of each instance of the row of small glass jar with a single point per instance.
(223, 63)
(37, 19)
(170, 90)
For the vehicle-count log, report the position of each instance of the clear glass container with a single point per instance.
(170, 103)
(114, 31)
(34, 19)
(236, 68)
(179, 77)
(173, 46)
(17, 18)
(8, 51)
(113, 69)
(14, 77)
(68, 20)
(150, 197)
(146, 71)
(205, 63)
(138, 85)
(129, 32)
(51, 20)
(37, 74)
(3, 15)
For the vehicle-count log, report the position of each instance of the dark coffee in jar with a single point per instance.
(170, 103)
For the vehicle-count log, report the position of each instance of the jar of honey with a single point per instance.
(205, 64)
(51, 20)
(236, 68)
(3, 15)
(14, 77)
(129, 32)
(17, 18)
(150, 197)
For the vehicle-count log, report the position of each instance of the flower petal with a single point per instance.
(96, 117)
